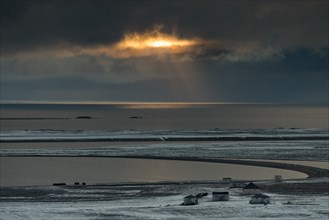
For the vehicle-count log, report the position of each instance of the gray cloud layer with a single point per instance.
(265, 51)
(27, 25)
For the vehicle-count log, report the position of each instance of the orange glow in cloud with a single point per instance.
(154, 39)
(150, 43)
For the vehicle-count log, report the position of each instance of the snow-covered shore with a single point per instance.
(157, 201)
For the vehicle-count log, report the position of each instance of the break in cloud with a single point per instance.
(156, 44)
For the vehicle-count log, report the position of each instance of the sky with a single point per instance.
(165, 51)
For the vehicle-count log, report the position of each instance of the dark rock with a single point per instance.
(83, 117)
(136, 117)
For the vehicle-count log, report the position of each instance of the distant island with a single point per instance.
(136, 117)
(83, 117)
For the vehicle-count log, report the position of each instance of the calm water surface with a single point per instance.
(162, 116)
(24, 171)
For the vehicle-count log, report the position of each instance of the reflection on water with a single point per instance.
(22, 171)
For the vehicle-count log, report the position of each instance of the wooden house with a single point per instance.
(260, 199)
(190, 200)
(220, 196)
(278, 178)
(227, 180)
(250, 189)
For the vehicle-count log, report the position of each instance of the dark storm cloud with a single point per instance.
(300, 77)
(100, 68)
(27, 25)
(68, 88)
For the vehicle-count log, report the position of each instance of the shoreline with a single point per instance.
(312, 172)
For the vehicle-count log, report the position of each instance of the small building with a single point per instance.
(260, 199)
(190, 200)
(59, 184)
(237, 185)
(278, 178)
(250, 189)
(227, 180)
(220, 196)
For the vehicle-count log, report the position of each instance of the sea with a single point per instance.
(159, 116)
(41, 143)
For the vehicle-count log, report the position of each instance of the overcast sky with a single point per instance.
(251, 51)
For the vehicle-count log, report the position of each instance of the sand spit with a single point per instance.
(312, 172)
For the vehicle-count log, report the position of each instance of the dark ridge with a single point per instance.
(169, 139)
(83, 117)
(136, 117)
(33, 118)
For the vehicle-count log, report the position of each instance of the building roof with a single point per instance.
(219, 192)
(251, 185)
(190, 196)
(260, 195)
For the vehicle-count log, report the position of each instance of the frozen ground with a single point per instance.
(157, 201)
(275, 150)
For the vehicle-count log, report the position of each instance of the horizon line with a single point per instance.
(149, 102)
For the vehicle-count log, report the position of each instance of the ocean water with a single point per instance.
(288, 132)
(161, 121)
(159, 116)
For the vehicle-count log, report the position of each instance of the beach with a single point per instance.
(163, 201)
